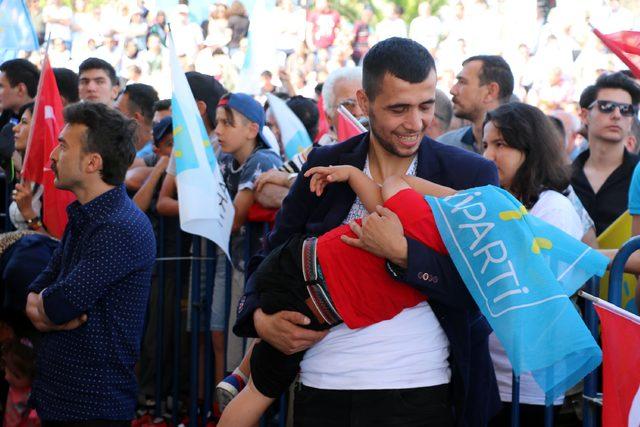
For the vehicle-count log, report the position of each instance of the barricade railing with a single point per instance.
(591, 397)
(201, 303)
(201, 306)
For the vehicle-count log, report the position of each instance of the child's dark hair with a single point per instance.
(18, 356)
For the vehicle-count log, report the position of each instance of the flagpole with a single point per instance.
(351, 117)
(611, 307)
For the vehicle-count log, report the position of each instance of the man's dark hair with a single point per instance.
(29, 106)
(207, 89)
(22, 71)
(67, 81)
(402, 58)
(110, 134)
(527, 129)
(306, 110)
(495, 69)
(142, 98)
(616, 80)
(162, 105)
(99, 64)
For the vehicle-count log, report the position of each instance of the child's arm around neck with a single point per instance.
(370, 193)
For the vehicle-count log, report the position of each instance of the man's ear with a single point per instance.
(202, 107)
(584, 116)
(115, 91)
(493, 92)
(363, 101)
(138, 117)
(22, 90)
(253, 130)
(94, 164)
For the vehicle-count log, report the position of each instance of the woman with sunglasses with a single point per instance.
(527, 151)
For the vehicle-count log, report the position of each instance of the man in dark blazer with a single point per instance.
(399, 82)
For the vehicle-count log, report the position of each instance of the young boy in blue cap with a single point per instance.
(246, 154)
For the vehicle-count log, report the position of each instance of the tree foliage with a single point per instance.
(351, 9)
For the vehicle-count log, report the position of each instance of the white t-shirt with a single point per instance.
(558, 211)
(408, 351)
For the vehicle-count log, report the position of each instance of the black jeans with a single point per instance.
(413, 407)
(88, 423)
(530, 415)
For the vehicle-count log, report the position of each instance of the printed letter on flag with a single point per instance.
(521, 271)
(206, 209)
(45, 127)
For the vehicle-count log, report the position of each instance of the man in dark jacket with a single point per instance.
(430, 364)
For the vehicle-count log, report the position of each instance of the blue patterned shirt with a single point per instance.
(102, 267)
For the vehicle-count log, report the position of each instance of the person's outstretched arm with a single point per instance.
(428, 188)
(366, 189)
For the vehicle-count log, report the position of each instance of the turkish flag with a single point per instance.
(46, 125)
(626, 46)
(620, 362)
(346, 128)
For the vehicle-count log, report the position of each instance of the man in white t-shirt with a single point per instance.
(430, 364)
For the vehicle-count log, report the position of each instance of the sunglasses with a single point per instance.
(627, 110)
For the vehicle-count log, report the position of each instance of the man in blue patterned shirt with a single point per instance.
(91, 299)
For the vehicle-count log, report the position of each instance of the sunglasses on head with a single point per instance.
(627, 110)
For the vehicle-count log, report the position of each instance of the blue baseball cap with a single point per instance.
(248, 107)
(161, 129)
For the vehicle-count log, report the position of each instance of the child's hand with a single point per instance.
(323, 175)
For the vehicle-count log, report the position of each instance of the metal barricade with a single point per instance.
(200, 309)
(593, 399)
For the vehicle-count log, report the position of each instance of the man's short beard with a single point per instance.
(386, 145)
(470, 115)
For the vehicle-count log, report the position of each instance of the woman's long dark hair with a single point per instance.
(529, 130)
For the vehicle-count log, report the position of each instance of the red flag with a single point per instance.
(46, 125)
(323, 123)
(620, 361)
(347, 126)
(626, 46)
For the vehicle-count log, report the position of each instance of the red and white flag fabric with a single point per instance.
(347, 125)
(626, 46)
(620, 361)
(46, 125)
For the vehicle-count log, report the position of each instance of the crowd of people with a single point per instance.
(553, 55)
(551, 117)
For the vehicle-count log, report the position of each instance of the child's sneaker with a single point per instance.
(227, 389)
